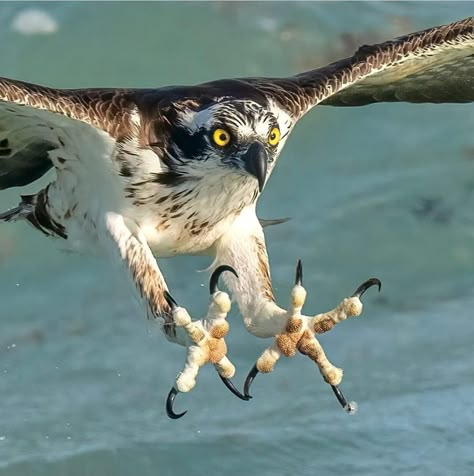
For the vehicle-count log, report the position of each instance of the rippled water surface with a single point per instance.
(383, 190)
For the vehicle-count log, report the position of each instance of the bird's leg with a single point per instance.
(243, 247)
(206, 342)
(299, 335)
(204, 338)
(349, 307)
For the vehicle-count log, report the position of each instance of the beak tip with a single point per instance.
(255, 163)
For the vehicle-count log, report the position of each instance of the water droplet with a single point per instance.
(351, 408)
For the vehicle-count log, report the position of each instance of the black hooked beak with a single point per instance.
(255, 163)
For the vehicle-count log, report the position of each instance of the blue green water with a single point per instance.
(384, 190)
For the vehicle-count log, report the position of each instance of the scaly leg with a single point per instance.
(207, 344)
(243, 247)
(299, 334)
(204, 338)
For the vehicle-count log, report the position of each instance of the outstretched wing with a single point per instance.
(431, 66)
(35, 121)
(80, 132)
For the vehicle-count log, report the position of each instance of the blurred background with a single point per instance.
(383, 190)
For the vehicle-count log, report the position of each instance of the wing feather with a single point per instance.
(31, 117)
(101, 108)
(433, 66)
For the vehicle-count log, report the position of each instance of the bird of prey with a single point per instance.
(150, 173)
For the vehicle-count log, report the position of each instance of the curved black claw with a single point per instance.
(248, 381)
(299, 274)
(348, 407)
(170, 301)
(228, 383)
(340, 397)
(169, 405)
(368, 284)
(213, 282)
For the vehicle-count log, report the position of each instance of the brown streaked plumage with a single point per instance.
(263, 269)
(431, 66)
(141, 173)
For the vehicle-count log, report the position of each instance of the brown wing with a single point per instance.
(434, 66)
(31, 116)
(101, 108)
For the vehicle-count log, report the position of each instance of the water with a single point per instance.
(384, 190)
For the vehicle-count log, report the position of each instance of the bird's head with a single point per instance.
(236, 139)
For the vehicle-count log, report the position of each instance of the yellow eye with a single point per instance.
(274, 136)
(221, 137)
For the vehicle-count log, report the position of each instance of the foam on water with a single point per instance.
(34, 22)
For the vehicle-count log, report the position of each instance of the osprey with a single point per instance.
(145, 173)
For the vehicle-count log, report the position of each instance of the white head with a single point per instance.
(238, 139)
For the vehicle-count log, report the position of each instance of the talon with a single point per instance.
(368, 284)
(299, 274)
(216, 275)
(228, 383)
(350, 407)
(248, 381)
(170, 301)
(169, 404)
